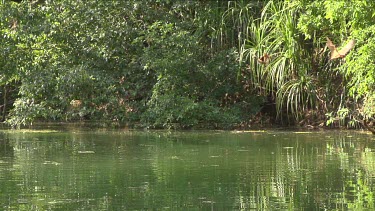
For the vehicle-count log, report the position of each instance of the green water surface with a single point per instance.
(130, 170)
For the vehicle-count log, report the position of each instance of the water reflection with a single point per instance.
(91, 170)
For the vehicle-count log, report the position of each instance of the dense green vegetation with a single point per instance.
(165, 64)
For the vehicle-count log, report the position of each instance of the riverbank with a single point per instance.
(95, 125)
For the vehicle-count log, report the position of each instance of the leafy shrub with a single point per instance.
(173, 111)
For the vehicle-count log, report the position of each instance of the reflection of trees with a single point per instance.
(6, 150)
(49, 173)
(188, 170)
(303, 171)
(6, 165)
(346, 183)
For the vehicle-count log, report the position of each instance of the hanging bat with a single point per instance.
(339, 53)
(265, 59)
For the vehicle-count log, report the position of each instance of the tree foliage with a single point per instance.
(184, 63)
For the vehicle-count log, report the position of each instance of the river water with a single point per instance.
(138, 170)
